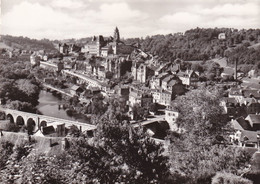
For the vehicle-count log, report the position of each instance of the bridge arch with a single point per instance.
(20, 121)
(31, 125)
(10, 117)
(43, 123)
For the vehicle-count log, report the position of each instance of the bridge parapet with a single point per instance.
(40, 118)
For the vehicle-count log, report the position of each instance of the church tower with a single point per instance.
(116, 35)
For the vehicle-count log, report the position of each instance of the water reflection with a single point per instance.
(50, 105)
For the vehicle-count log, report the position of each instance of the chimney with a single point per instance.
(236, 69)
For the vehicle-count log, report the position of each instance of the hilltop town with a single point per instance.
(120, 86)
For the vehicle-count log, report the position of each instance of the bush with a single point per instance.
(224, 178)
(11, 127)
(22, 150)
(6, 149)
(253, 175)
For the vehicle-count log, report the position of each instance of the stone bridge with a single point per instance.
(36, 121)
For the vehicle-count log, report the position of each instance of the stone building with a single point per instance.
(141, 72)
(64, 48)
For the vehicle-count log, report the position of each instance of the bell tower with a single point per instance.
(116, 35)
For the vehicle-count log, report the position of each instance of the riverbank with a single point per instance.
(59, 107)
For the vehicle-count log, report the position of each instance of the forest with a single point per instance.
(203, 44)
(25, 43)
(18, 87)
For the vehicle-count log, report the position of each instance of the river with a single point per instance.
(49, 106)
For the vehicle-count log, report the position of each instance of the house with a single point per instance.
(249, 93)
(94, 90)
(156, 81)
(241, 94)
(101, 72)
(251, 73)
(73, 48)
(161, 96)
(240, 124)
(139, 72)
(171, 116)
(245, 138)
(188, 77)
(237, 94)
(229, 104)
(94, 46)
(163, 68)
(64, 48)
(228, 72)
(254, 121)
(76, 90)
(246, 131)
(45, 58)
(105, 51)
(54, 129)
(134, 97)
(166, 81)
(252, 107)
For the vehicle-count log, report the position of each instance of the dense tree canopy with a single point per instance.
(201, 150)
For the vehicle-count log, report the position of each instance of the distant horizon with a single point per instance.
(66, 19)
(122, 37)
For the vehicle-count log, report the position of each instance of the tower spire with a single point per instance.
(116, 35)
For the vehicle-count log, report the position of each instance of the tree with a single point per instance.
(200, 151)
(118, 153)
(153, 107)
(6, 149)
(21, 106)
(221, 178)
(139, 112)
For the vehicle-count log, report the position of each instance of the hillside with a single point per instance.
(14, 42)
(203, 44)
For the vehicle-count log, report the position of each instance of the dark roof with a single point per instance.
(250, 135)
(48, 130)
(159, 128)
(168, 78)
(241, 124)
(173, 82)
(255, 119)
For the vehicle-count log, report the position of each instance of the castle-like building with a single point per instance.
(99, 46)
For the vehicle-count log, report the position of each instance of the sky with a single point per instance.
(64, 19)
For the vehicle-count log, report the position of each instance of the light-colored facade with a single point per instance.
(171, 116)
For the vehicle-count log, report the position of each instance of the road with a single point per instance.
(149, 120)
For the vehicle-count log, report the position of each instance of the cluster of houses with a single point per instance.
(153, 81)
(163, 81)
(243, 107)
